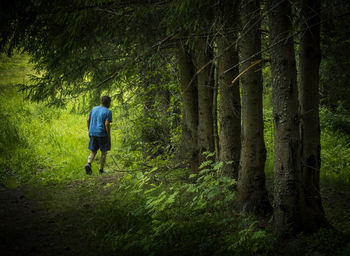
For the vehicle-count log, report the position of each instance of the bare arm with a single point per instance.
(88, 122)
(108, 128)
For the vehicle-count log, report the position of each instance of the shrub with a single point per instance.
(151, 216)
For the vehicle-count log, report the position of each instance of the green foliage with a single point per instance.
(155, 214)
(268, 137)
(80, 45)
(335, 120)
(335, 146)
(49, 145)
(18, 160)
(335, 43)
(39, 143)
(324, 242)
(249, 241)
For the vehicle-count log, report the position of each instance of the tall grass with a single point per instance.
(37, 143)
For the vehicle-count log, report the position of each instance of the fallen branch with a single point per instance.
(254, 63)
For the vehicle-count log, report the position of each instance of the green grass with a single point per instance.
(38, 143)
(14, 70)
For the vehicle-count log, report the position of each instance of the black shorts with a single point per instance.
(100, 143)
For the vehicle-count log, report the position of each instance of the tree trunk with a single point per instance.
(288, 197)
(310, 57)
(205, 81)
(215, 118)
(190, 108)
(252, 193)
(230, 104)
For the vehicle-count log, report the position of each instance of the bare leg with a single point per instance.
(90, 159)
(103, 160)
(92, 156)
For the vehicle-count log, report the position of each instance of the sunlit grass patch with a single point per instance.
(38, 143)
(14, 70)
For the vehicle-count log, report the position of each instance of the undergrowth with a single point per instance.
(335, 146)
(152, 215)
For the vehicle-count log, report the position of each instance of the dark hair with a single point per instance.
(106, 101)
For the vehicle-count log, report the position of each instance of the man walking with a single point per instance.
(99, 128)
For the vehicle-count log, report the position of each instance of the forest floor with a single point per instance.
(52, 219)
(335, 201)
(59, 219)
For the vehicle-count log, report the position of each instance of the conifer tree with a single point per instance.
(252, 193)
(230, 105)
(288, 196)
(310, 57)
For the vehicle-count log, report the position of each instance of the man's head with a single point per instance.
(106, 101)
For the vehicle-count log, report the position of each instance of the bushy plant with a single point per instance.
(154, 215)
(335, 146)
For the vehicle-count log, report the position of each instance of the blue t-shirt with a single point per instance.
(98, 116)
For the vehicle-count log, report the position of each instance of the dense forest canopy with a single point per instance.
(101, 41)
(196, 82)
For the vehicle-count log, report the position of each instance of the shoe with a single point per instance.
(88, 169)
(101, 171)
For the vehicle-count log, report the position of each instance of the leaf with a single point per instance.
(213, 193)
(153, 169)
(205, 163)
(218, 165)
(171, 198)
(192, 188)
(139, 175)
(192, 175)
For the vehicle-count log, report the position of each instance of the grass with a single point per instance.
(14, 70)
(39, 143)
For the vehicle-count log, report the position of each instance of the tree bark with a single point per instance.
(230, 104)
(252, 193)
(310, 57)
(288, 196)
(204, 55)
(215, 118)
(189, 138)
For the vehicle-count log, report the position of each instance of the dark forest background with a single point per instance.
(231, 121)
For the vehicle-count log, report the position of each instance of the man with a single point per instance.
(98, 124)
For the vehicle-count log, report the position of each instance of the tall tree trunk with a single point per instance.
(205, 81)
(215, 118)
(190, 107)
(252, 193)
(310, 57)
(288, 197)
(230, 104)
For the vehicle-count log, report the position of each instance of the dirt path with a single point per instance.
(52, 220)
(25, 229)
